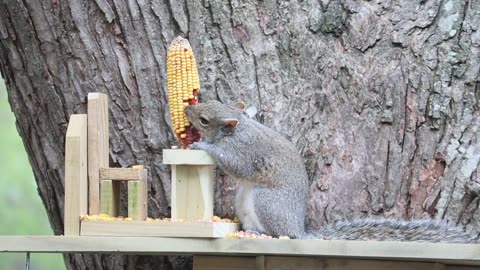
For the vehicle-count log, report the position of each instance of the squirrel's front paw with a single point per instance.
(199, 145)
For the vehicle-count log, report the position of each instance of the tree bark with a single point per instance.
(380, 97)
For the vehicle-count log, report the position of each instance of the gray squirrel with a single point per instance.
(273, 183)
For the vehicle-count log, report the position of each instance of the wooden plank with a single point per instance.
(137, 197)
(123, 174)
(76, 182)
(455, 254)
(459, 267)
(106, 201)
(313, 263)
(205, 178)
(98, 147)
(157, 228)
(187, 157)
(192, 198)
(223, 262)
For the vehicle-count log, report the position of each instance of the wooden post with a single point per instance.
(106, 201)
(137, 197)
(192, 183)
(98, 149)
(76, 181)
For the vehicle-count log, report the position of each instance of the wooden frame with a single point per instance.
(193, 188)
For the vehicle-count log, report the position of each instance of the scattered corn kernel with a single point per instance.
(137, 167)
(248, 235)
(105, 217)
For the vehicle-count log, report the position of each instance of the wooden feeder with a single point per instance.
(92, 188)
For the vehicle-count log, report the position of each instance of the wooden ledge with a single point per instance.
(186, 157)
(466, 254)
(158, 228)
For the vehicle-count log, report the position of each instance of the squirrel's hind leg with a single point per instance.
(245, 210)
(279, 212)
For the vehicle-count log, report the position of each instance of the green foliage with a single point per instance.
(22, 211)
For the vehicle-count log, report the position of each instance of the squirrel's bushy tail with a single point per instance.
(422, 230)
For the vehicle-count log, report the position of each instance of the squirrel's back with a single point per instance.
(420, 230)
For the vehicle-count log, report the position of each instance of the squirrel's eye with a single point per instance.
(203, 121)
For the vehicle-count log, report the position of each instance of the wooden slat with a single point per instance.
(98, 147)
(159, 229)
(186, 157)
(76, 182)
(192, 198)
(137, 197)
(106, 200)
(221, 263)
(465, 254)
(119, 174)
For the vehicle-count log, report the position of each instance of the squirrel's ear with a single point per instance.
(240, 105)
(229, 126)
(230, 122)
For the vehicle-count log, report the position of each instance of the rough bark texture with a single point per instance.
(381, 97)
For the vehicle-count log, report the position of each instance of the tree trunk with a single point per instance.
(381, 97)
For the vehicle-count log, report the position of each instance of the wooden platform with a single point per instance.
(158, 229)
(457, 254)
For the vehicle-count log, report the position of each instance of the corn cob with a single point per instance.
(183, 88)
